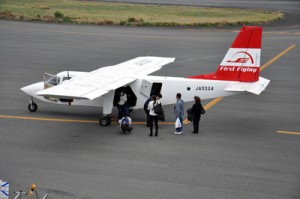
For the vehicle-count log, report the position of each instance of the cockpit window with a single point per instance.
(50, 80)
(53, 80)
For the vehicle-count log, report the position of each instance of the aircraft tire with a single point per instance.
(105, 121)
(32, 107)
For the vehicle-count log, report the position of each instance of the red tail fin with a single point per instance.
(242, 61)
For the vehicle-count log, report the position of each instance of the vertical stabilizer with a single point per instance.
(242, 61)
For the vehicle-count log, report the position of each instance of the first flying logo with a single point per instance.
(241, 57)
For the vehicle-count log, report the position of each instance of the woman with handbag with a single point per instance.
(196, 111)
(153, 116)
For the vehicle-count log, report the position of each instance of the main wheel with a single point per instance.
(32, 107)
(105, 121)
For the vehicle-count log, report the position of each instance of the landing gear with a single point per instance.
(105, 120)
(32, 107)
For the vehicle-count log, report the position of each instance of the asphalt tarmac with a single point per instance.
(248, 145)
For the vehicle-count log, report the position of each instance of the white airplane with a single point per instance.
(237, 73)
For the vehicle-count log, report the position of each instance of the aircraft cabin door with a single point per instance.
(156, 88)
(149, 88)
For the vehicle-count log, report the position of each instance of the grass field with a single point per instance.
(105, 13)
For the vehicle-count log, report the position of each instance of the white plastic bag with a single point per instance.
(177, 123)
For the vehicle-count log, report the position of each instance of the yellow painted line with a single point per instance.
(69, 120)
(207, 106)
(289, 132)
(144, 123)
(47, 119)
(277, 57)
(212, 103)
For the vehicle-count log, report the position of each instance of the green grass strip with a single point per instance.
(105, 13)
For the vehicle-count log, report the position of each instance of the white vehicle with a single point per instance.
(237, 73)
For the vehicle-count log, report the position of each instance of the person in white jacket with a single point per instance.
(153, 116)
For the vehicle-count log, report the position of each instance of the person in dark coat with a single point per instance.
(196, 111)
(146, 109)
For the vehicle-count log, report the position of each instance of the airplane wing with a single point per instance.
(103, 80)
(252, 87)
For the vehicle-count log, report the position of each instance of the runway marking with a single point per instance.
(212, 103)
(68, 120)
(289, 132)
(277, 57)
(47, 119)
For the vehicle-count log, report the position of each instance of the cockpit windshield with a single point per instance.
(50, 80)
(53, 80)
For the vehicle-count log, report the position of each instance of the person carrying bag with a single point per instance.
(196, 111)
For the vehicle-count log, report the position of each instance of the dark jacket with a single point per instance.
(146, 104)
(196, 110)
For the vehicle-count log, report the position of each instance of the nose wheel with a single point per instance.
(32, 107)
(105, 120)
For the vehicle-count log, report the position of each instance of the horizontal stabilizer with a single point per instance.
(255, 87)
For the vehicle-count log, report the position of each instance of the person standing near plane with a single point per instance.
(147, 111)
(196, 111)
(153, 116)
(122, 104)
(159, 111)
(178, 113)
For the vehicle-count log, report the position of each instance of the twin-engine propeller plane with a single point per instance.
(237, 73)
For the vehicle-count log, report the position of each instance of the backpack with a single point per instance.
(190, 115)
(158, 109)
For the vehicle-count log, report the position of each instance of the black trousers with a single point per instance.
(148, 117)
(155, 119)
(196, 121)
(126, 127)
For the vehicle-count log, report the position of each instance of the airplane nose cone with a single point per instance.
(26, 89)
(32, 89)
